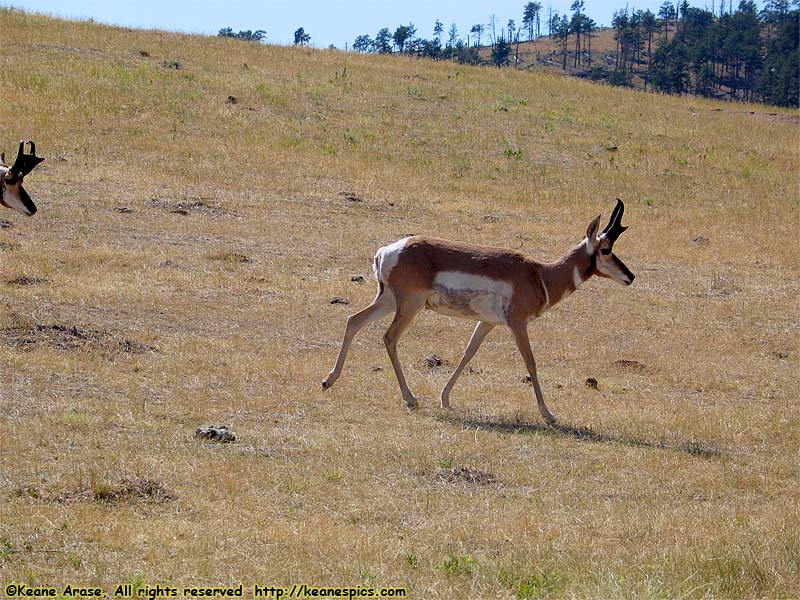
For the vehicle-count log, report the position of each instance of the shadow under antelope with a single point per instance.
(493, 286)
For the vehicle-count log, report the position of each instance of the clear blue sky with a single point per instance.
(327, 22)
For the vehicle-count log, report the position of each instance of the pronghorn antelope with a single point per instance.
(493, 286)
(12, 194)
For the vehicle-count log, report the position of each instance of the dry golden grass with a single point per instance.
(180, 273)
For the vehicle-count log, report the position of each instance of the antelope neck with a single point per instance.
(562, 277)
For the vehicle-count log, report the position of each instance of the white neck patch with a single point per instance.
(576, 277)
(546, 293)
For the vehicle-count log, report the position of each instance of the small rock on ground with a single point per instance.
(216, 434)
(433, 361)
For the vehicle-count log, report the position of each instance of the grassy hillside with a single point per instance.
(202, 202)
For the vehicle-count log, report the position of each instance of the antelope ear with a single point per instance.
(591, 232)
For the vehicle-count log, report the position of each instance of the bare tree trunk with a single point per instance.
(590, 49)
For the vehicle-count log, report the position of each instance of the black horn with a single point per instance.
(25, 163)
(614, 228)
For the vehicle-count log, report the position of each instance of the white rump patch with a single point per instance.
(475, 297)
(386, 259)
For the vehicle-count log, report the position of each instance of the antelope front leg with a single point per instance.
(382, 306)
(480, 333)
(520, 333)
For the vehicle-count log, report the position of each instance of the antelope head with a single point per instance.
(600, 246)
(12, 194)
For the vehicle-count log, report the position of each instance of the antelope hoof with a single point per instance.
(445, 401)
(411, 404)
(327, 383)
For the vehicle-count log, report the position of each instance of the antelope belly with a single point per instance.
(470, 296)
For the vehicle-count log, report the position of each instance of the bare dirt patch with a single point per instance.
(22, 280)
(350, 196)
(631, 365)
(92, 53)
(231, 257)
(464, 474)
(700, 448)
(70, 339)
(777, 117)
(190, 206)
(127, 491)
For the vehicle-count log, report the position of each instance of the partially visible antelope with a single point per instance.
(493, 286)
(12, 194)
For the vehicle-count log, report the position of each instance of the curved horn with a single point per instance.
(25, 163)
(614, 228)
(613, 216)
(17, 166)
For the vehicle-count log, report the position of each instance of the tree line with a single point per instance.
(454, 47)
(745, 54)
(742, 54)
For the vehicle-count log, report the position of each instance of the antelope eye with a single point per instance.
(11, 179)
(605, 251)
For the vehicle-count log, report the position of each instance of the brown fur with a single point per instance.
(535, 287)
(423, 257)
